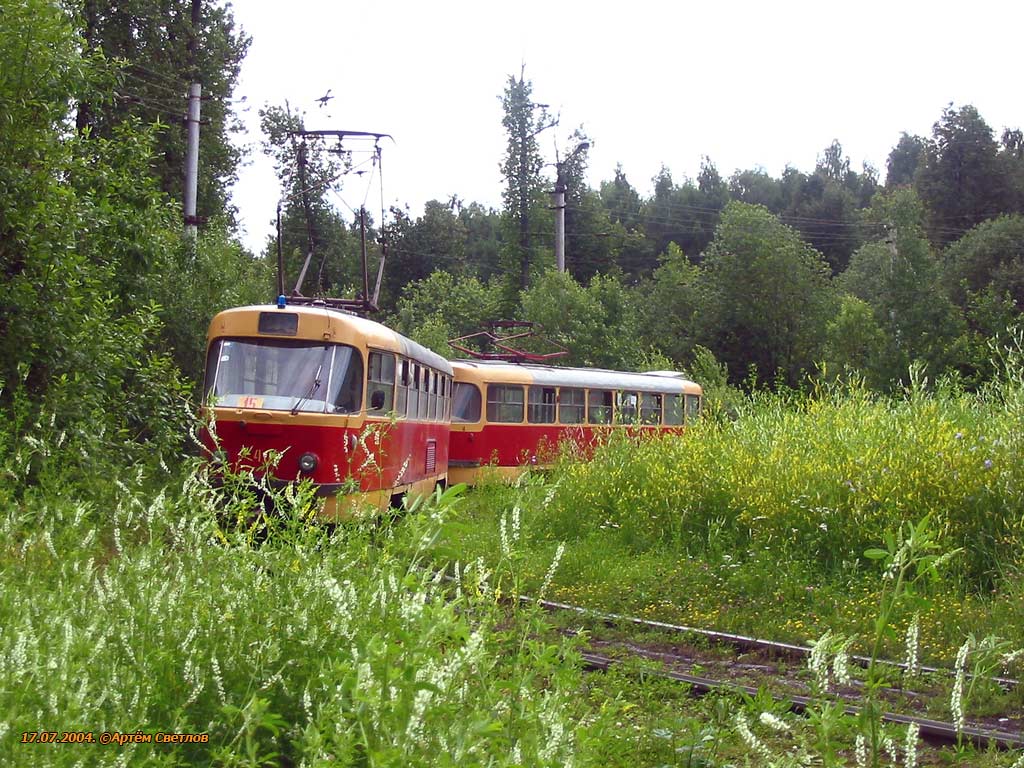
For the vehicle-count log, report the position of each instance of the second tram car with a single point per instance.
(507, 417)
(357, 408)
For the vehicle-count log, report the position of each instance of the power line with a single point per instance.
(182, 93)
(163, 109)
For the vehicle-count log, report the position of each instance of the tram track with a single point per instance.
(934, 731)
(736, 675)
(741, 642)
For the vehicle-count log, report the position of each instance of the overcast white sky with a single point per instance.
(750, 84)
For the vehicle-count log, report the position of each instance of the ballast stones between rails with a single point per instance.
(739, 641)
(932, 730)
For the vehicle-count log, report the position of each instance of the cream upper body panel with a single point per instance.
(325, 324)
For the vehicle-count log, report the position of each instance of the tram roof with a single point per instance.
(666, 382)
(325, 323)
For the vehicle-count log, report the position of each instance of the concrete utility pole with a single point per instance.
(195, 91)
(192, 159)
(558, 199)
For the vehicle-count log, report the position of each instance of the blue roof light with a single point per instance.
(281, 301)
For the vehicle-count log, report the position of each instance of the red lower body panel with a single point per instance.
(378, 455)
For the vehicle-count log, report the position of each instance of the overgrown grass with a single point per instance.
(761, 523)
(314, 646)
(813, 481)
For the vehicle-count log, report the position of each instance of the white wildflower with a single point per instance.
(482, 574)
(860, 751)
(49, 542)
(748, 737)
(218, 681)
(910, 746)
(307, 704)
(503, 534)
(401, 472)
(557, 738)
(550, 495)
(912, 641)
(414, 730)
(956, 702)
(410, 605)
(192, 675)
(80, 510)
(890, 747)
(1009, 658)
(818, 659)
(19, 653)
(773, 722)
(551, 570)
(515, 524)
(841, 663)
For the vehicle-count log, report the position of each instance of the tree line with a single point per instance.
(831, 272)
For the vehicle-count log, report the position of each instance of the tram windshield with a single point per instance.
(284, 375)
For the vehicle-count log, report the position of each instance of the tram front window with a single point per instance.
(283, 375)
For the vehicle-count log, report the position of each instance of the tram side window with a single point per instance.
(424, 393)
(465, 403)
(571, 405)
(435, 397)
(381, 378)
(439, 407)
(541, 408)
(413, 406)
(599, 407)
(650, 408)
(505, 403)
(673, 410)
(692, 408)
(447, 398)
(402, 389)
(625, 412)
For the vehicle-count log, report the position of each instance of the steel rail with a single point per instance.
(738, 641)
(934, 730)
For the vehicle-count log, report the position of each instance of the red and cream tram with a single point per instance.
(507, 417)
(344, 401)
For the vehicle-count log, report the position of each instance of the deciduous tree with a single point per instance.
(897, 274)
(764, 296)
(162, 54)
(960, 179)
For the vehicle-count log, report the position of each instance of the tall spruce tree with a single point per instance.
(521, 167)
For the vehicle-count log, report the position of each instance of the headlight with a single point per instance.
(308, 462)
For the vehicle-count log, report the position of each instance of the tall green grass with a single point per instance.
(814, 480)
(315, 646)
